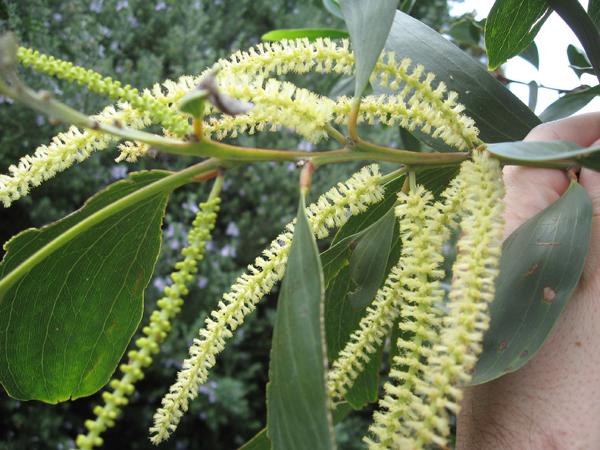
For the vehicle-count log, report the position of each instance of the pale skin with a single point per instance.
(554, 401)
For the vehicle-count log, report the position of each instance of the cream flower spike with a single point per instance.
(282, 103)
(424, 230)
(454, 354)
(66, 149)
(323, 55)
(416, 214)
(331, 210)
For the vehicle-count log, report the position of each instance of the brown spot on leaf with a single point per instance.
(524, 354)
(577, 343)
(502, 346)
(549, 294)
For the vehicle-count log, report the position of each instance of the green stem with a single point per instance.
(410, 157)
(335, 134)
(353, 119)
(216, 188)
(168, 183)
(393, 175)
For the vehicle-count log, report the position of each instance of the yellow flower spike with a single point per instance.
(331, 210)
(424, 233)
(415, 408)
(416, 215)
(440, 108)
(480, 246)
(66, 149)
(131, 151)
(280, 103)
(156, 331)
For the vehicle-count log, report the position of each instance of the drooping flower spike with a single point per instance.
(160, 324)
(423, 230)
(66, 149)
(331, 210)
(420, 419)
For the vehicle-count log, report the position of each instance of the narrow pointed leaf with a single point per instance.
(309, 33)
(548, 151)
(499, 115)
(594, 12)
(369, 260)
(540, 267)
(572, 12)
(511, 26)
(578, 61)
(368, 23)
(531, 55)
(65, 325)
(356, 267)
(569, 103)
(298, 415)
(533, 95)
(333, 7)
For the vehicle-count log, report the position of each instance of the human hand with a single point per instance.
(554, 401)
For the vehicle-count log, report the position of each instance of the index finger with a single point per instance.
(583, 130)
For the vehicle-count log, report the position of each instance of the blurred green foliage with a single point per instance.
(141, 42)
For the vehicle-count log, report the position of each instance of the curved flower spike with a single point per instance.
(66, 149)
(160, 324)
(331, 210)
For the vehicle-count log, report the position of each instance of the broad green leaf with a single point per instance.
(539, 269)
(594, 12)
(333, 7)
(572, 12)
(368, 23)
(531, 55)
(298, 416)
(310, 33)
(578, 61)
(548, 151)
(67, 322)
(533, 95)
(511, 26)
(570, 103)
(260, 441)
(350, 291)
(499, 115)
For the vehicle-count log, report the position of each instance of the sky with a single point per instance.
(552, 42)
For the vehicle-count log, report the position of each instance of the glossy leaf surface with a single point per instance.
(511, 26)
(569, 103)
(368, 23)
(298, 415)
(548, 151)
(65, 325)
